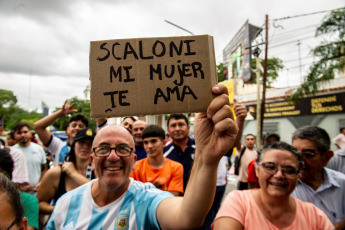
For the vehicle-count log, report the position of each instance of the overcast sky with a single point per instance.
(45, 43)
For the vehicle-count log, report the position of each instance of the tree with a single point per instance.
(83, 107)
(331, 54)
(220, 72)
(11, 113)
(7, 103)
(274, 65)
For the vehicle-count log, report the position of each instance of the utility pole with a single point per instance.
(264, 82)
(258, 106)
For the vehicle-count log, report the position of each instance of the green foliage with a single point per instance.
(220, 70)
(331, 54)
(83, 107)
(273, 66)
(11, 113)
(7, 103)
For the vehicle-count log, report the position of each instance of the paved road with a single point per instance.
(232, 184)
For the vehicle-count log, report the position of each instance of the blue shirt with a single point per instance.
(186, 158)
(337, 162)
(140, 152)
(135, 209)
(329, 196)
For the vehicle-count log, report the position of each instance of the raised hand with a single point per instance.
(215, 131)
(68, 109)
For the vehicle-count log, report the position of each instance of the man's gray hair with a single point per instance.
(314, 134)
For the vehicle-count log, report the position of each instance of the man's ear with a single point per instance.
(327, 156)
(135, 159)
(92, 164)
(24, 224)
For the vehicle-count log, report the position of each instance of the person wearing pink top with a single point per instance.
(271, 206)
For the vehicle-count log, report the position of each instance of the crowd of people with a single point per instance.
(135, 176)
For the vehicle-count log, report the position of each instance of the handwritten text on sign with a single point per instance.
(151, 76)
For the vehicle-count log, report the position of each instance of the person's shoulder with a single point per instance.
(240, 193)
(27, 197)
(337, 179)
(242, 197)
(335, 174)
(308, 210)
(37, 146)
(173, 163)
(79, 191)
(191, 142)
(167, 147)
(16, 146)
(143, 191)
(139, 187)
(53, 173)
(16, 151)
(141, 162)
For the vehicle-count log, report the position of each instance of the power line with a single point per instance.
(281, 44)
(301, 15)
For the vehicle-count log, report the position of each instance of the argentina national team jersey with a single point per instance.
(135, 209)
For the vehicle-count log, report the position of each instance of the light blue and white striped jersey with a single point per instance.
(135, 209)
(329, 197)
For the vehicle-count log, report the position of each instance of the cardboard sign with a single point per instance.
(146, 76)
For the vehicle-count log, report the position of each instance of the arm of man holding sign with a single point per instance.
(215, 133)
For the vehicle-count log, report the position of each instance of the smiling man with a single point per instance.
(323, 187)
(182, 148)
(138, 128)
(163, 173)
(115, 201)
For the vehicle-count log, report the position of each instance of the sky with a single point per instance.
(44, 44)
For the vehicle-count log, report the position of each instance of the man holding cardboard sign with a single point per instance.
(114, 200)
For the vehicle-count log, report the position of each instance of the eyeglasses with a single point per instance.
(17, 220)
(271, 168)
(309, 154)
(121, 151)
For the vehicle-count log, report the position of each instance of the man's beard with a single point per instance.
(24, 141)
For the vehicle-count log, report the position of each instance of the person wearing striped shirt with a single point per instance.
(323, 187)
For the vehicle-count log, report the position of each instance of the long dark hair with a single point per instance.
(7, 187)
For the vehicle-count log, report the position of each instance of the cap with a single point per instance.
(84, 133)
(272, 135)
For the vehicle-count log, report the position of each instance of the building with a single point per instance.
(325, 109)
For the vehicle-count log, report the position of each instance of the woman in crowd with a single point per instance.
(28, 202)
(75, 171)
(271, 206)
(11, 210)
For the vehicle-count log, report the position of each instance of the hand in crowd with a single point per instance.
(68, 109)
(68, 168)
(215, 131)
(27, 188)
(240, 110)
(37, 187)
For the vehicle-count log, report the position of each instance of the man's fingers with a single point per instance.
(225, 126)
(222, 113)
(216, 104)
(219, 89)
(64, 104)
